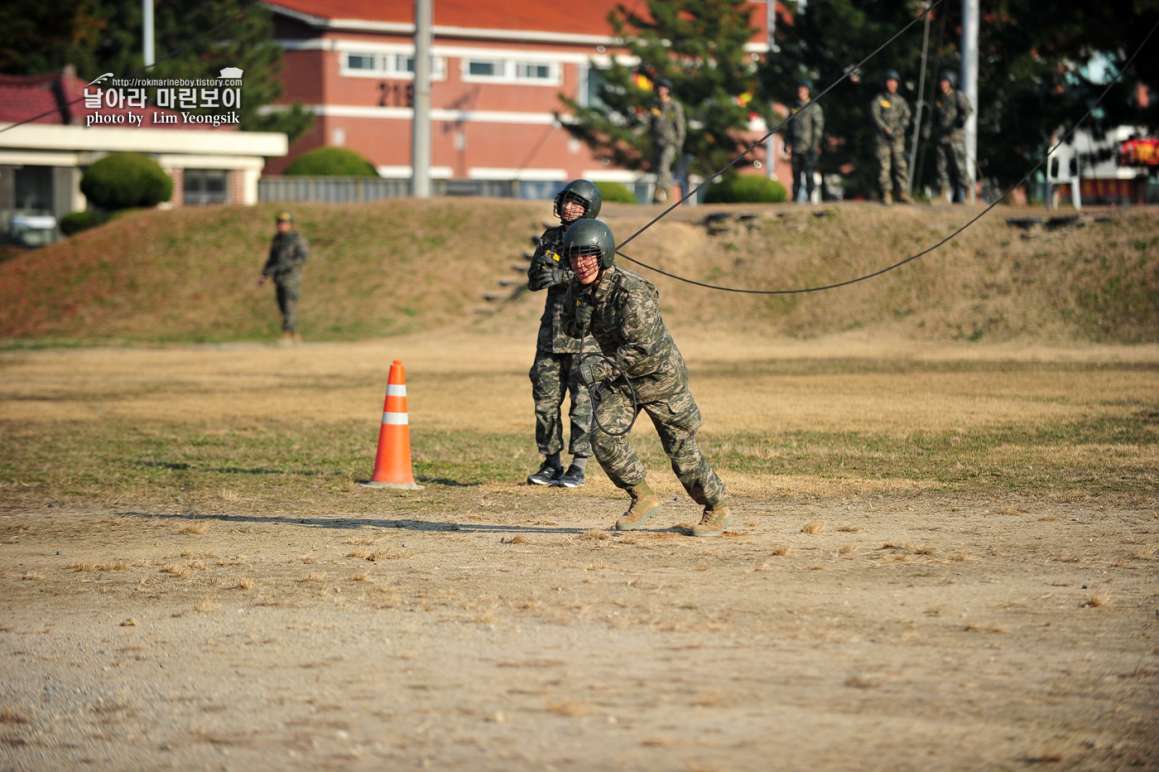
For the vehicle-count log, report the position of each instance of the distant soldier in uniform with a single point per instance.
(951, 109)
(554, 372)
(288, 253)
(891, 116)
(804, 140)
(667, 126)
(622, 312)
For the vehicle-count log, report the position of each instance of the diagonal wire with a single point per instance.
(758, 142)
(954, 234)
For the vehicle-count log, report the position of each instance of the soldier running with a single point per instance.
(668, 130)
(951, 110)
(288, 253)
(554, 371)
(622, 312)
(804, 141)
(891, 116)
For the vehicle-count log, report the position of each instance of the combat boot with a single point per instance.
(645, 503)
(904, 198)
(714, 521)
(887, 199)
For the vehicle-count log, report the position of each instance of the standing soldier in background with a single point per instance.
(288, 254)
(667, 126)
(804, 140)
(891, 116)
(951, 109)
(554, 371)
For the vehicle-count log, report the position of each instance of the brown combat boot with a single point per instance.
(904, 198)
(887, 199)
(644, 505)
(713, 522)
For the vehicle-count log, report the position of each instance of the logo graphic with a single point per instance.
(106, 76)
(231, 72)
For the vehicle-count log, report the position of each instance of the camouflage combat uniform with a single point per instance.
(891, 116)
(804, 136)
(288, 254)
(667, 142)
(624, 313)
(950, 114)
(554, 371)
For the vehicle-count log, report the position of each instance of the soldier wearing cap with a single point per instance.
(803, 139)
(951, 110)
(891, 116)
(288, 253)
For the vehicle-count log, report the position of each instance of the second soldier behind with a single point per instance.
(554, 371)
(951, 109)
(891, 116)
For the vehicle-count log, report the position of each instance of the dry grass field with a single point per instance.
(945, 558)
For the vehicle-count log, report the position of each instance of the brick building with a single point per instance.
(498, 70)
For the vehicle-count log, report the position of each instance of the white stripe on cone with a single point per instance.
(394, 390)
(395, 419)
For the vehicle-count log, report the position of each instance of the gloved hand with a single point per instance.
(888, 133)
(548, 276)
(594, 369)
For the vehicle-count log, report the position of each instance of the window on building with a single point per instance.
(535, 71)
(204, 186)
(389, 65)
(485, 68)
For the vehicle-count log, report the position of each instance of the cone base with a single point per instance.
(392, 486)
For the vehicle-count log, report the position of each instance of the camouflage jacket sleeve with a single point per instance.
(964, 110)
(646, 343)
(678, 118)
(818, 128)
(878, 117)
(577, 311)
(300, 252)
(271, 260)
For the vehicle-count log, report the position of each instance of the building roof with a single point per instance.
(58, 98)
(589, 18)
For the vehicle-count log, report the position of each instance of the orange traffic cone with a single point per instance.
(392, 466)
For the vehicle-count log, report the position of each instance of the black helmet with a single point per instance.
(664, 82)
(590, 237)
(586, 191)
(805, 83)
(892, 75)
(952, 77)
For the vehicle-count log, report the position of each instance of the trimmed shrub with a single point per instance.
(746, 189)
(124, 180)
(75, 222)
(616, 192)
(332, 162)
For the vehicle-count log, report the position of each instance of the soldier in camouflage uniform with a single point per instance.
(554, 371)
(288, 253)
(622, 312)
(804, 141)
(951, 109)
(891, 116)
(667, 127)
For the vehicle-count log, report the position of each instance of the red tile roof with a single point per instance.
(589, 17)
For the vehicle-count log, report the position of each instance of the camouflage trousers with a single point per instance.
(893, 172)
(552, 376)
(952, 170)
(676, 420)
(288, 287)
(665, 158)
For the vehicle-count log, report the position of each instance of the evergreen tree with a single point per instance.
(697, 45)
(193, 39)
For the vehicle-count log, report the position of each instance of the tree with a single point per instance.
(124, 180)
(193, 39)
(697, 45)
(332, 161)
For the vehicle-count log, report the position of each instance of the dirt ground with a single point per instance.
(944, 558)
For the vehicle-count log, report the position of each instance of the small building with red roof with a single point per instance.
(499, 68)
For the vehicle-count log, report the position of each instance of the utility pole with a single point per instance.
(421, 113)
(970, 84)
(771, 26)
(147, 22)
(913, 153)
